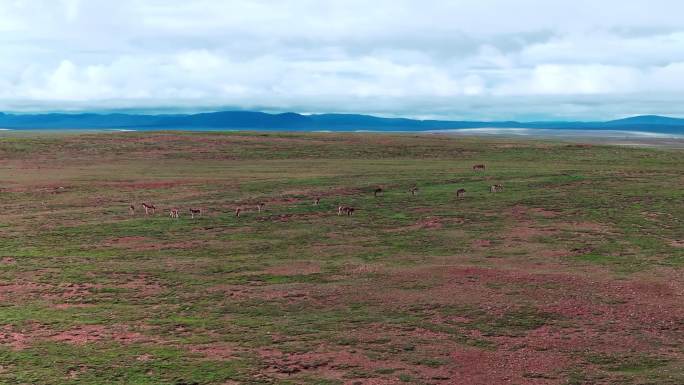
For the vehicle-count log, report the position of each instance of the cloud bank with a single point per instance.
(486, 59)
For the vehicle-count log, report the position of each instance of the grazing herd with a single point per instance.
(341, 210)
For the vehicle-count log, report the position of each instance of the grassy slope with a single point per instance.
(411, 289)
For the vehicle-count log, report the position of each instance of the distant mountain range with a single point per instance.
(252, 120)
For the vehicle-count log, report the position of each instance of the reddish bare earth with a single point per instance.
(570, 276)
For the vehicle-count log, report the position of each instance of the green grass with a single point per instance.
(394, 292)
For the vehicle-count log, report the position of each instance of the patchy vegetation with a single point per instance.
(571, 275)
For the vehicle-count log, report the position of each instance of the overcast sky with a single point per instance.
(464, 59)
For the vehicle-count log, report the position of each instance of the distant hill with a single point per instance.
(253, 120)
(648, 119)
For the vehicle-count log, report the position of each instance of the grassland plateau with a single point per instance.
(571, 275)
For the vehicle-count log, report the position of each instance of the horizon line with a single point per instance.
(274, 113)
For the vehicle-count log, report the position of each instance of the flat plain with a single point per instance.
(571, 275)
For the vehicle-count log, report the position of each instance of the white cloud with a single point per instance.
(464, 59)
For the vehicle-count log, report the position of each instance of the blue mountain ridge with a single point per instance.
(290, 121)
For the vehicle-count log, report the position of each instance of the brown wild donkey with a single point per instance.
(149, 208)
(349, 211)
(194, 212)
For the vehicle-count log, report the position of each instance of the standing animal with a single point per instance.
(378, 191)
(149, 208)
(174, 213)
(260, 206)
(496, 188)
(477, 167)
(349, 211)
(131, 209)
(237, 212)
(460, 193)
(195, 211)
(413, 191)
(317, 201)
(339, 210)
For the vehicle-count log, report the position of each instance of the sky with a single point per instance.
(460, 59)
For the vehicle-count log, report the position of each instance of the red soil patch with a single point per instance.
(584, 227)
(678, 244)
(332, 362)
(63, 306)
(71, 291)
(22, 289)
(544, 213)
(76, 290)
(235, 291)
(269, 292)
(526, 229)
(142, 286)
(92, 333)
(524, 232)
(429, 223)
(13, 339)
(315, 296)
(215, 351)
(331, 365)
(294, 293)
(521, 366)
(595, 312)
(295, 268)
(481, 243)
(78, 335)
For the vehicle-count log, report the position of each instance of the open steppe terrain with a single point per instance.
(571, 275)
